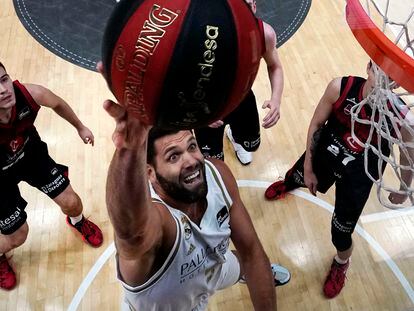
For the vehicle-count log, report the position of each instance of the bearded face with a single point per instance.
(179, 168)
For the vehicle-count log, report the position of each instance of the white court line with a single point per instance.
(255, 184)
(387, 215)
(90, 277)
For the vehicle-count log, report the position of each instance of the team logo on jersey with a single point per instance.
(16, 144)
(25, 111)
(347, 109)
(187, 228)
(191, 249)
(222, 215)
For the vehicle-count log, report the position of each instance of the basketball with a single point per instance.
(181, 64)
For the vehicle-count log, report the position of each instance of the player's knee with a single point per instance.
(18, 237)
(69, 202)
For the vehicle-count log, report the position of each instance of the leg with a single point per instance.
(71, 205)
(352, 192)
(69, 202)
(52, 179)
(210, 141)
(293, 179)
(13, 229)
(244, 128)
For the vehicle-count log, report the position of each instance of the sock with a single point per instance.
(340, 261)
(75, 220)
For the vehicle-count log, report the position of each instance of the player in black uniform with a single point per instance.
(244, 125)
(24, 157)
(332, 156)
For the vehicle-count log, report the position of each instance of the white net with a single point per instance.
(391, 121)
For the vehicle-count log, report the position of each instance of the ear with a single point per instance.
(151, 173)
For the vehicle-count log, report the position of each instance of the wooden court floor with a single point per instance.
(54, 263)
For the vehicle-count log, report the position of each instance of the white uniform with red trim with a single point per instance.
(199, 262)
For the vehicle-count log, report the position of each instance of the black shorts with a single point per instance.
(245, 126)
(39, 170)
(333, 163)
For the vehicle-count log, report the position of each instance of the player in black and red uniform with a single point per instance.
(24, 157)
(244, 125)
(332, 156)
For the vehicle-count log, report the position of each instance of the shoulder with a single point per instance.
(38, 92)
(227, 176)
(269, 36)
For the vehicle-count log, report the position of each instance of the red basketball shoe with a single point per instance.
(276, 191)
(90, 232)
(335, 280)
(7, 275)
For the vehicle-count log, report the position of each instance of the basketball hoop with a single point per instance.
(390, 118)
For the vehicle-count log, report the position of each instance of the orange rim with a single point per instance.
(392, 60)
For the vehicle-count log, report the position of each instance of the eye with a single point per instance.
(192, 147)
(173, 158)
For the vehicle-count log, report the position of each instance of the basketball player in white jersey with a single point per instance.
(173, 215)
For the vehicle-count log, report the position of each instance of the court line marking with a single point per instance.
(87, 281)
(387, 215)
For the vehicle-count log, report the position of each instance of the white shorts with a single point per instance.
(230, 271)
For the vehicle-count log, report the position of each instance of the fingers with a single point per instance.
(89, 139)
(216, 124)
(114, 110)
(270, 119)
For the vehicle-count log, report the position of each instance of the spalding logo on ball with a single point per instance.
(181, 63)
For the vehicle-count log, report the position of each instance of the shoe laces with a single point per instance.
(85, 227)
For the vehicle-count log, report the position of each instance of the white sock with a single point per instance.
(340, 261)
(75, 220)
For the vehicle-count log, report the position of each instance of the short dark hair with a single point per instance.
(2, 66)
(154, 134)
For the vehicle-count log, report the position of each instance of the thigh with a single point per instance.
(210, 141)
(245, 124)
(12, 214)
(41, 171)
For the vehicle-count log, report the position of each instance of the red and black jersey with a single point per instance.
(15, 135)
(339, 121)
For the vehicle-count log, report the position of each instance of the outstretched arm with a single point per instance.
(253, 259)
(47, 98)
(275, 72)
(137, 223)
(320, 116)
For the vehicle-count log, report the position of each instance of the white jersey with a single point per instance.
(194, 268)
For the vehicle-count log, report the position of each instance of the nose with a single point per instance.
(3, 89)
(189, 161)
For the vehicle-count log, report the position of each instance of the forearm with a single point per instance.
(67, 113)
(406, 173)
(259, 279)
(276, 82)
(127, 193)
(311, 143)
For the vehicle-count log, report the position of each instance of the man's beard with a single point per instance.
(179, 193)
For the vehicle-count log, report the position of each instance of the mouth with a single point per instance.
(190, 179)
(5, 99)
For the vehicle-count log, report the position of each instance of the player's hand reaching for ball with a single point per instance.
(129, 133)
